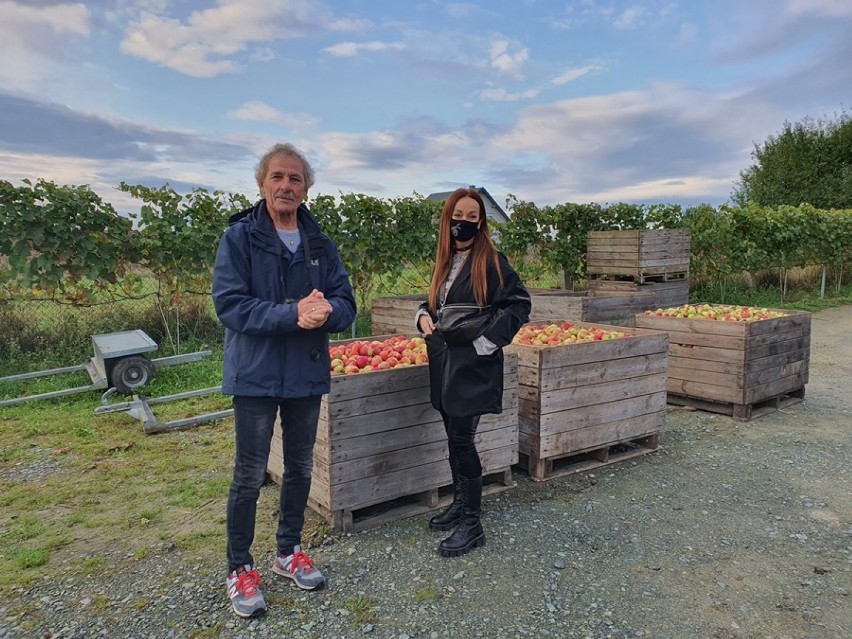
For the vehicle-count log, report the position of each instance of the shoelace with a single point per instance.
(300, 561)
(247, 582)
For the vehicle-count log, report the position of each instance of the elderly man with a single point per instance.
(279, 288)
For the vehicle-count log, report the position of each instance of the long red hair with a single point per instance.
(481, 253)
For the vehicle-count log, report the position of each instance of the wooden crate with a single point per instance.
(606, 301)
(742, 369)
(577, 402)
(642, 254)
(381, 450)
(395, 314)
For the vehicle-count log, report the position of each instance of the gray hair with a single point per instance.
(285, 150)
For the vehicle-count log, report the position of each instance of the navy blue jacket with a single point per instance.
(257, 284)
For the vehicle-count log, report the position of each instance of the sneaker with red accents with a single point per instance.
(300, 569)
(244, 592)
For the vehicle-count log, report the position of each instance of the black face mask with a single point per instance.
(462, 230)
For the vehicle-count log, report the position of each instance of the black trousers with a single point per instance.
(460, 434)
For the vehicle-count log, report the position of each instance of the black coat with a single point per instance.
(464, 384)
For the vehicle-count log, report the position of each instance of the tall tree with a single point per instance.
(809, 162)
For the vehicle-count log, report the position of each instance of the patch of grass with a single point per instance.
(30, 558)
(426, 594)
(208, 633)
(93, 564)
(140, 553)
(150, 514)
(100, 602)
(207, 538)
(362, 609)
(26, 527)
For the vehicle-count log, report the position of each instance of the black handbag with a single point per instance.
(462, 323)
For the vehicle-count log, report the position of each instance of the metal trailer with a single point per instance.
(119, 363)
(140, 408)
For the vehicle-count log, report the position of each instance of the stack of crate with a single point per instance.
(649, 268)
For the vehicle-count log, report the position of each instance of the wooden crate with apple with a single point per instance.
(596, 399)
(605, 302)
(741, 361)
(644, 255)
(381, 451)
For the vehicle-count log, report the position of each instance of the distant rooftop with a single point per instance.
(493, 210)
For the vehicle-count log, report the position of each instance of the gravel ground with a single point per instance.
(729, 530)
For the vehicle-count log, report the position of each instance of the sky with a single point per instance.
(550, 102)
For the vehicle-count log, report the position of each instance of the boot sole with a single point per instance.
(458, 552)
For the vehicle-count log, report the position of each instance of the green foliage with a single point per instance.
(178, 234)
(553, 239)
(376, 238)
(752, 238)
(64, 241)
(807, 162)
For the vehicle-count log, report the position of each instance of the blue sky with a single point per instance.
(591, 100)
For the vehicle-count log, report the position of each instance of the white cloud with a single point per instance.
(36, 43)
(460, 9)
(261, 112)
(27, 31)
(825, 8)
(205, 44)
(350, 49)
(501, 95)
(22, 22)
(572, 74)
(262, 54)
(631, 17)
(506, 61)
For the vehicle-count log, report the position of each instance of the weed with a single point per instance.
(92, 565)
(362, 609)
(210, 632)
(26, 527)
(426, 594)
(27, 558)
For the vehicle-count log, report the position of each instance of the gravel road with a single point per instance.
(729, 530)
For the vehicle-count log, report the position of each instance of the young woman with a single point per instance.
(467, 378)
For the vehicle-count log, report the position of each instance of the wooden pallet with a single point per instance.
(742, 412)
(545, 468)
(643, 277)
(418, 503)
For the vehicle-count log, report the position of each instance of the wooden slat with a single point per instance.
(601, 413)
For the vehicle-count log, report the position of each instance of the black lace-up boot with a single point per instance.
(468, 534)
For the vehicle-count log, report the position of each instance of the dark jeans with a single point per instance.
(460, 433)
(254, 421)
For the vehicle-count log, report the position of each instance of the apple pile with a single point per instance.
(364, 356)
(564, 333)
(718, 313)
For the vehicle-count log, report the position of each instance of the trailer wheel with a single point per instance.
(130, 373)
